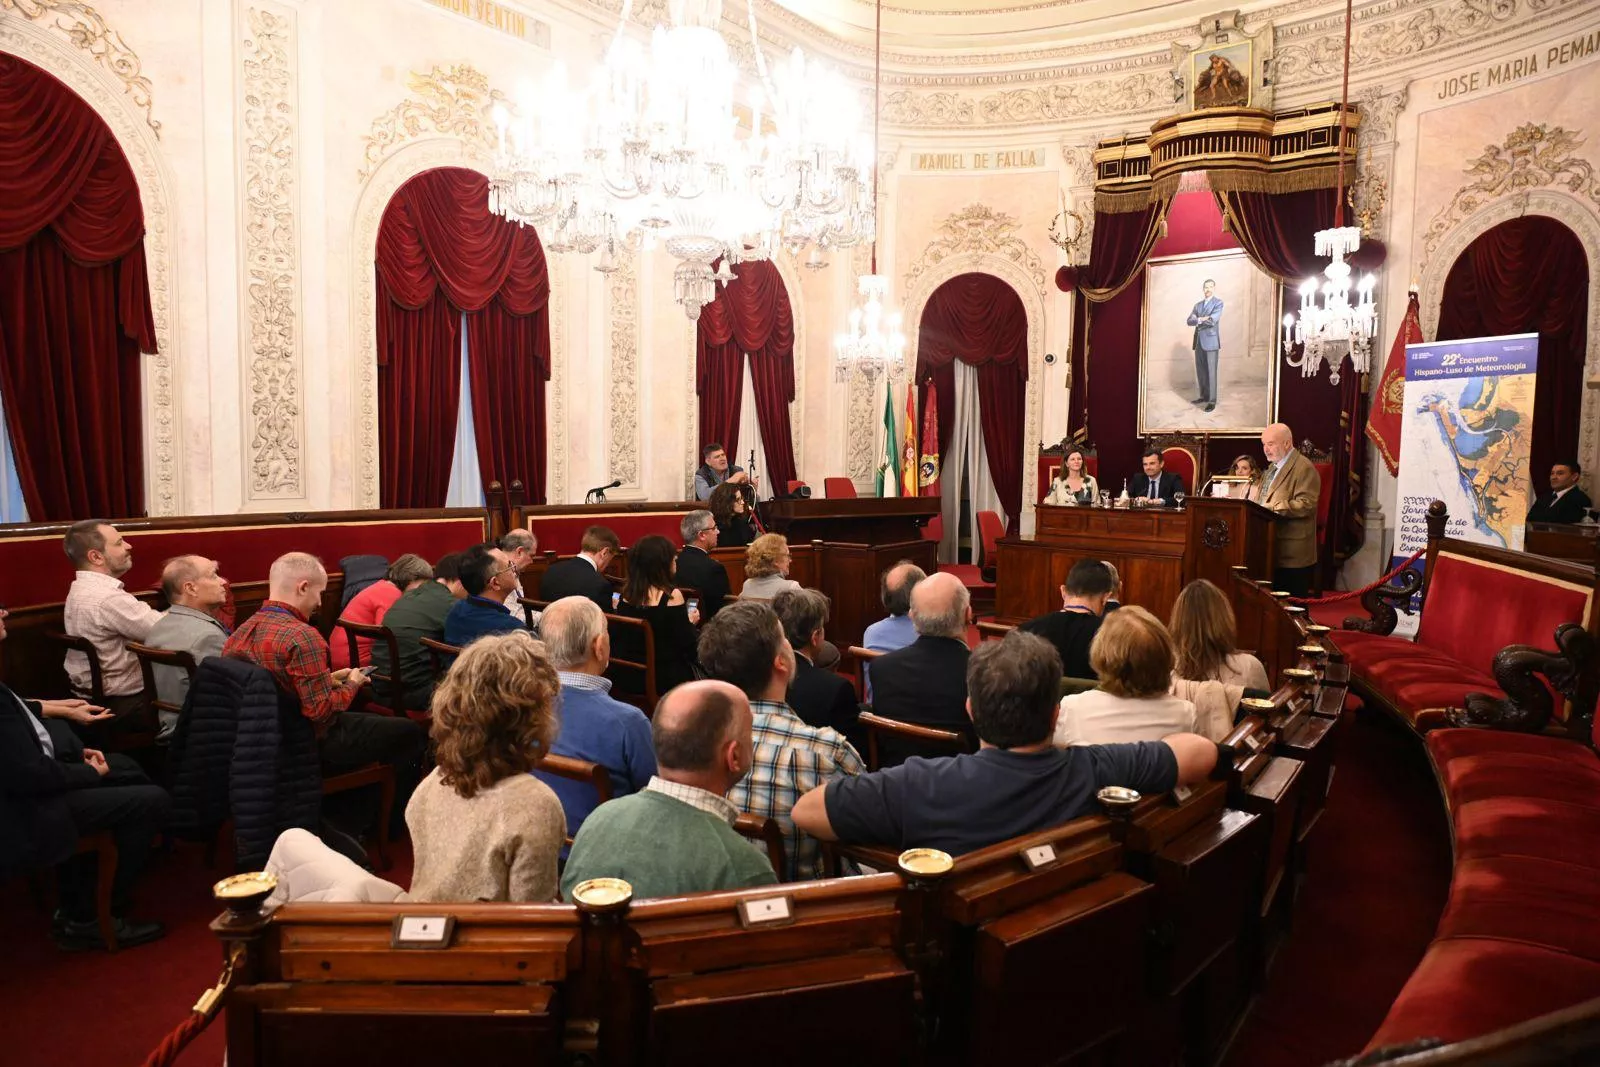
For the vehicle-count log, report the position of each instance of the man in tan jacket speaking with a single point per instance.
(1290, 486)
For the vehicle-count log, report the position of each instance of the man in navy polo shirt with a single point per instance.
(1015, 784)
(489, 577)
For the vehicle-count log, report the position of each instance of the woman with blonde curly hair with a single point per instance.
(766, 568)
(482, 827)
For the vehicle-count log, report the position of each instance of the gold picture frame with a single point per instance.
(1170, 400)
(1222, 75)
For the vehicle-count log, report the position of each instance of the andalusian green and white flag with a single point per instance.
(889, 456)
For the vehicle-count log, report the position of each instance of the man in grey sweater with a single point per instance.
(194, 588)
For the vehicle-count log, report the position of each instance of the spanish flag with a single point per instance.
(1383, 424)
(908, 448)
(928, 472)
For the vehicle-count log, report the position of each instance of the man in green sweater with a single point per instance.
(676, 835)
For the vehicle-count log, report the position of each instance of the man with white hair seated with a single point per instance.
(926, 682)
(595, 726)
(194, 589)
(280, 638)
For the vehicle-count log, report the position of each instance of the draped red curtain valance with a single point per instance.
(74, 302)
(979, 320)
(751, 314)
(442, 254)
(1529, 275)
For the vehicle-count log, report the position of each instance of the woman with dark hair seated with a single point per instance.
(730, 507)
(650, 594)
(482, 827)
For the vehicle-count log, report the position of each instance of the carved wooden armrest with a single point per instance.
(1572, 670)
(1382, 603)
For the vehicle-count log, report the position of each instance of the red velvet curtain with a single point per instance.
(1524, 276)
(980, 320)
(751, 314)
(1120, 245)
(440, 250)
(74, 302)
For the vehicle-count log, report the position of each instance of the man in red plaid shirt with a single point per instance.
(280, 638)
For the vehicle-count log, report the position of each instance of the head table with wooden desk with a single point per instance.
(1156, 551)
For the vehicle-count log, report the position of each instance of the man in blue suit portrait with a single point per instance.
(1207, 343)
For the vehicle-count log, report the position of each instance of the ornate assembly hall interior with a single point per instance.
(497, 495)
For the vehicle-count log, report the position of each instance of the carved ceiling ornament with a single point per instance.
(1533, 156)
(1381, 109)
(977, 230)
(87, 28)
(454, 101)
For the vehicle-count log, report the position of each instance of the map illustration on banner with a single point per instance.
(1466, 437)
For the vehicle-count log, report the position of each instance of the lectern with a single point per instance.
(866, 520)
(1155, 550)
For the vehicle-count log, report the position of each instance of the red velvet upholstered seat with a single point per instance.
(1548, 903)
(1447, 745)
(1526, 826)
(1543, 777)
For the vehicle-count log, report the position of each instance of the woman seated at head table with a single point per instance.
(1245, 467)
(1073, 484)
(482, 827)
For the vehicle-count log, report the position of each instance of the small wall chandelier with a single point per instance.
(1330, 330)
(874, 343)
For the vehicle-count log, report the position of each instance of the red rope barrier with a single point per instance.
(1355, 593)
(176, 1041)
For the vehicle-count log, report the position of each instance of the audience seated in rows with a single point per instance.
(696, 568)
(766, 568)
(745, 646)
(280, 638)
(650, 594)
(420, 612)
(926, 682)
(585, 573)
(489, 581)
(521, 548)
(1133, 656)
(676, 835)
(105, 614)
(1088, 587)
(1017, 782)
(819, 697)
(54, 791)
(371, 605)
(729, 505)
(483, 827)
(896, 630)
(594, 726)
(194, 590)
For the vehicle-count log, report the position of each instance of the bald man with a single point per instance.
(926, 682)
(676, 835)
(194, 587)
(1291, 487)
(280, 638)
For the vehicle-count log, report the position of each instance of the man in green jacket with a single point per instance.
(676, 835)
(417, 614)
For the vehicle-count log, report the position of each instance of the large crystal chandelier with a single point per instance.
(874, 343)
(1330, 330)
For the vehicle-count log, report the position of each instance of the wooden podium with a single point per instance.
(1157, 551)
(864, 520)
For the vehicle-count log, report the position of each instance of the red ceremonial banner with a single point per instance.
(1383, 423)
(928, 470)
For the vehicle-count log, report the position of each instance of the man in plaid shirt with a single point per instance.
(280, 638)
(745, 645)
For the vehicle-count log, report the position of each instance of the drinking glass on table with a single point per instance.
(1105, 498)
(1178, 498)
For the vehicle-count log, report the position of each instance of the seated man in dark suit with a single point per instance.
(54, 791)
(696, 568)
(1089, 586)
(926, 682)
(1156, 483)
(1016, 783)
(819, 697)
(1565, 502)
(584, 574)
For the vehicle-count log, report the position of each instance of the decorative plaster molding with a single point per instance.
(455, 101)
(87, 29)
(1577, 213)
(268, 163)
(1428, 28)
(1079, 159)
(788, 270)
(1533, 156)
(138, 138)
(623, 316)
(1380, 112)
(969, 234)
(556, 417)
(860, 429)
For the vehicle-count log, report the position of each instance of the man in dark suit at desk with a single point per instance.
(584, 574)
(696, 568)
(1565, 502)
(1155, 483)
(925, 683)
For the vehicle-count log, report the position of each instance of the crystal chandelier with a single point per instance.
(874, 343)
(1330, 330)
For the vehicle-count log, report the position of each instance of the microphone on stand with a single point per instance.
(597, 495)
(755, 515)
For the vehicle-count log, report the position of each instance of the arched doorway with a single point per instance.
(76, 301)
(463, 304)
(972, 364)
(1529, 275)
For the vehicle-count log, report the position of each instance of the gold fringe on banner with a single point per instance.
(1298, 180)
(1120, 203)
